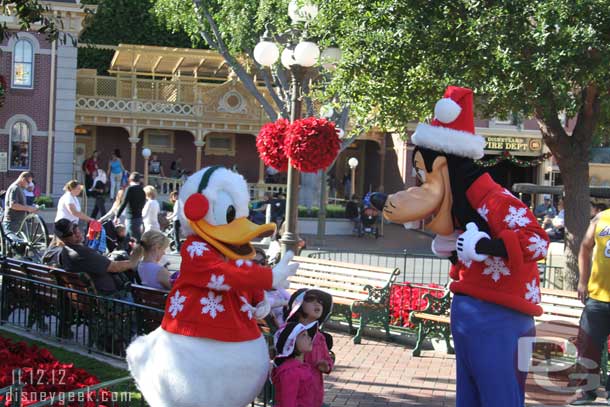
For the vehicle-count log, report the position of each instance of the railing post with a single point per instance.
(18, 388)
(404, 265)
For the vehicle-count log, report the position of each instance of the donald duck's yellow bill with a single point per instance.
(233, 239)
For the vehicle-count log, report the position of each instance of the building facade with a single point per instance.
(37, 119)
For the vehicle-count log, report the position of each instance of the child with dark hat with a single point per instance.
(307, 306)
(292, 378)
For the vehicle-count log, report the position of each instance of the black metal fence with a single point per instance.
(418, 268)
(422, 268)
(99, 324)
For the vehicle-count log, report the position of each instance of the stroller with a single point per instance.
(369, 217)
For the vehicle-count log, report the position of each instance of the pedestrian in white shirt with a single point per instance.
(150, 212)
(68, 206)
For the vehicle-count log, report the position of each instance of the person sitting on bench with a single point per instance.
(72, 255)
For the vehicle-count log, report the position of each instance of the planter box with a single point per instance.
(309, 226)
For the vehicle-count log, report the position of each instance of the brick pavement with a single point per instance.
(377, 374)
(380, 374)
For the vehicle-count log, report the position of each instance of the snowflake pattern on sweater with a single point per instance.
(176, 303)
(516, 217)
(495, 268)
(212, 304)
(533, 292)
(197, 249)
(207, 296)
(513, 281)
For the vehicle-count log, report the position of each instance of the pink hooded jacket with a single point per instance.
(293, 381)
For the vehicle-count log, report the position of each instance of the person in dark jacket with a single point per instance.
(134, 201)
(98, 191)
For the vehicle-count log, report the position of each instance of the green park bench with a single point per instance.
(356, 288)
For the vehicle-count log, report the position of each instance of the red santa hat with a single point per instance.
(452, 130)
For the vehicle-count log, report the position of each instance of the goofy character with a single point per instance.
(493, 241)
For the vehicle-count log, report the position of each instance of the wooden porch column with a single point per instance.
(382, 154)
(134, 150)
(198, 146)
(261, 171)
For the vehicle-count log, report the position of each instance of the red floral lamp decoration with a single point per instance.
(270, 144)
(312, 144)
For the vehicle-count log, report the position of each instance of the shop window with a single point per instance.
(23, 64)
(20, 146)
(220, 144)
(159, 141)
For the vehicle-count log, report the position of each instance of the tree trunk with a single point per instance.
(575, 174)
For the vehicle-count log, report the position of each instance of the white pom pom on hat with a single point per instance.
(446, 110)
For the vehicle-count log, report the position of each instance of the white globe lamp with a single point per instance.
(146, 153)
(288, 58)
(352, 162)
(306, 53)
(266, 53)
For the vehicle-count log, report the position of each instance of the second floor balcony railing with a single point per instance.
(134, 94)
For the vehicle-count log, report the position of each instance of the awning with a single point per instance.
(168, 61)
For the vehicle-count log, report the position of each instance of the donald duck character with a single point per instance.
(209, 351)
(493, 241)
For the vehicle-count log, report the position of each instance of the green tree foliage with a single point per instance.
(128, 22)
(536, 58)
(29, 13)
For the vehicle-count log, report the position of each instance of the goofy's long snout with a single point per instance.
(378, 200)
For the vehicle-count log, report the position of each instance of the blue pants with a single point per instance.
(134, 228)
(486, 337)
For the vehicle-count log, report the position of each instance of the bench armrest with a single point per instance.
(437, 305)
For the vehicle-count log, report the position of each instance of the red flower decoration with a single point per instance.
(312, 144)
(270, 144)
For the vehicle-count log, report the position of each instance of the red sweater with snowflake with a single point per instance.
(214, 297)
(513, 282)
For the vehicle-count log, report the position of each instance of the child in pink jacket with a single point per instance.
(291, 376)
(308, 306)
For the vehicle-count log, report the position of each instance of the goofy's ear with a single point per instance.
(196, 207)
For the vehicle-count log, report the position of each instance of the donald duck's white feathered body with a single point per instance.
(208, 351)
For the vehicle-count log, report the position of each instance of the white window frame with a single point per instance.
(14, 62)
(159, 148)
(10, 146)
(209, 150)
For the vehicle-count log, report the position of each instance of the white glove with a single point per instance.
(443, 246)
(283, 270)
(262, 309)
(467, 243)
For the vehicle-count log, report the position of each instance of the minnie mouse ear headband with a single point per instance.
(285, 339)
(301, 295)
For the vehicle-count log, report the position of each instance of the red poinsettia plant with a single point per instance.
(270, 144)
(405, 298)
(43, 376)
(312, 144)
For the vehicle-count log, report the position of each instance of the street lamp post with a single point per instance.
(297, 57)
(353, 163)
(146, 154)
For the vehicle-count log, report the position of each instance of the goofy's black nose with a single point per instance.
(378, 200)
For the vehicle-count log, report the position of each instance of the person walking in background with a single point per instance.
(175, 219)
(594, 292)
(98, 191)
(111, 214)
(68, 206)
(134, 200)
(176, 168)
(115, 172)
(16, 209)
(90, 169)
(155, 167)
(150, 212)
